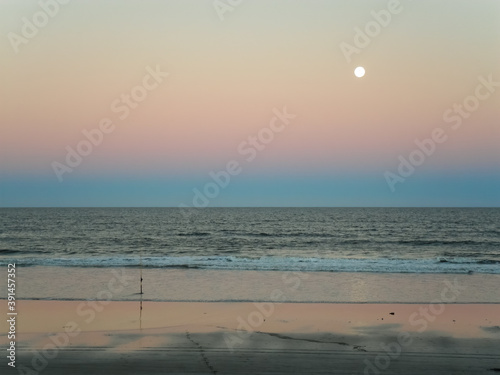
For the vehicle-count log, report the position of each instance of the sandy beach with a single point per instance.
(101, 337)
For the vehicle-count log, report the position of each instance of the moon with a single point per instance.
(359, 71)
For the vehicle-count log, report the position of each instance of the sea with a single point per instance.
(410, 240)
(221, 247)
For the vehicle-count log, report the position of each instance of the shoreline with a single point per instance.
(187, 285)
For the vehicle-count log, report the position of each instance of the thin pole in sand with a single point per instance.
(141, 293)
(141, 282)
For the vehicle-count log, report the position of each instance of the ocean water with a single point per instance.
(375, 240)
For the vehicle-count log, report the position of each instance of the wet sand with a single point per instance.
(75, 337)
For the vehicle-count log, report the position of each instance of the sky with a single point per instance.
(202, 103)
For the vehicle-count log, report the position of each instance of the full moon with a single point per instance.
(359, 71)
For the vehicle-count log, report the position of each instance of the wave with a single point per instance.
(9, 251)
(378, 265)
(194, 234)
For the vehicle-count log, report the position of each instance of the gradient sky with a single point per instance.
(225, 78)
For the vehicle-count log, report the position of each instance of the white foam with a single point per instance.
(454, 265)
